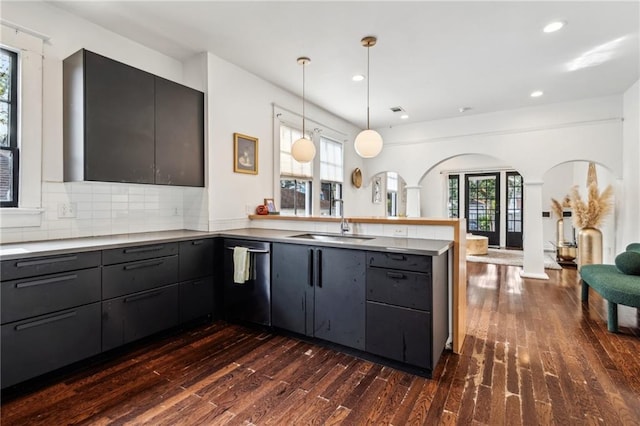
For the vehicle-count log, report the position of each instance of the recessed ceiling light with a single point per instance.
(537, 94)
(552, 27)
(404, 116)
(357, 77)
(464, 109)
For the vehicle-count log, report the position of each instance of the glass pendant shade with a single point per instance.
(303, 150)
(368, 143)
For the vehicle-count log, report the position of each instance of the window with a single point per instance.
(454, 196)
(295, 178)
(9, 154)
(331, 176)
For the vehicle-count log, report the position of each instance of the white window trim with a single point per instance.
(30, 60)
(292, 119)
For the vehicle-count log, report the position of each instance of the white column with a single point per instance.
(532, 235)
(413, 201)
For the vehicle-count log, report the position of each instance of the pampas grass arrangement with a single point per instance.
(557, 207)
(591, 213)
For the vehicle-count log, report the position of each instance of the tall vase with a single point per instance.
(560, 232)
(589, 246)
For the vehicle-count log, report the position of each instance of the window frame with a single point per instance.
(456, 178)
(13, 129)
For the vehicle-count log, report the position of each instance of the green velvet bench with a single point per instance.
(618, 284)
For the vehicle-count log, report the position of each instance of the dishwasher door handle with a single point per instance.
(250, 250)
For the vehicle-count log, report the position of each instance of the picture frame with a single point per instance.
(271, 205)
(245, 154)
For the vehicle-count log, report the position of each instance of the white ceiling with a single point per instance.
(431, 57)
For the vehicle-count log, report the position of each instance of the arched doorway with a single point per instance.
(484, 189)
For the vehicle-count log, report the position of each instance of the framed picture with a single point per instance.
(245, 154)
(271, 205)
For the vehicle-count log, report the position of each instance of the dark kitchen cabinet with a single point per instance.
(320, 292)
(179, 131)
(50, 313)
(132, 317)
(407, 307)
(196, 273)
(122, 124)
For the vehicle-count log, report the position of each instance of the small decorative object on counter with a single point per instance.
(271, 206)
(262, 210)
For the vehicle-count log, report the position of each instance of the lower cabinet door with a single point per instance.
(132, 317)
(401, 334)
(47, 342)
(196, 299)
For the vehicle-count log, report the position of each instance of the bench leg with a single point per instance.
(585, 291)
(612, 320)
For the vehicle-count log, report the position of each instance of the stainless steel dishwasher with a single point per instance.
(249, 301)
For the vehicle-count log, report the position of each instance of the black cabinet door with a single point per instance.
(340, 296)
(292, 288)
(138, 315)
(196, 259)
(400, 334)
(45, 343)
(179, 134)
(119, 122)
(196, 299)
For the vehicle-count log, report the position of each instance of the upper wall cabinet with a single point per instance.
(122, 124)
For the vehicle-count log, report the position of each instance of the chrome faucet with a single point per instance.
(344, 224)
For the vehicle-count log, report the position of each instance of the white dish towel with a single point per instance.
(240, 265)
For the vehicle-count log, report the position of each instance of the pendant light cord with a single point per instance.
(368, 80)
(303, 132)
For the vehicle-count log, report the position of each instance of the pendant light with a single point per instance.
(303, 150)
(368, 143)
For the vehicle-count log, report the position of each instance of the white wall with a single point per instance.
(240, 102)
(629, 202)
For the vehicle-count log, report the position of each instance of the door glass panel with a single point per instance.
(481, 200)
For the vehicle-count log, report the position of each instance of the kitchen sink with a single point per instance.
(332, 238)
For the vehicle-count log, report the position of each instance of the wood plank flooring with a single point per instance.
(533, 355)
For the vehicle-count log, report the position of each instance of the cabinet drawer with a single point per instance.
(402, 288)
(48, 342)
(126, 278)
(130, 254)
(22, 268)
(133, 317)
(29, 297)
(400, 334)
(196, 259)
(196, 299)
(407, 262)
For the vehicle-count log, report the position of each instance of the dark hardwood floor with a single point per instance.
(533, 355)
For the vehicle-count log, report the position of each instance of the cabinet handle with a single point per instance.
(311, 267)
(45, 261)
(45, 321)
(142, 265)
(397, 257)
(320, 268)
(198, 282)
(142, 296)
(142, 249)
(46, 281)
(197, 242)
(396, 275)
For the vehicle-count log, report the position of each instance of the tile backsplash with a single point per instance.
(83, 209)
